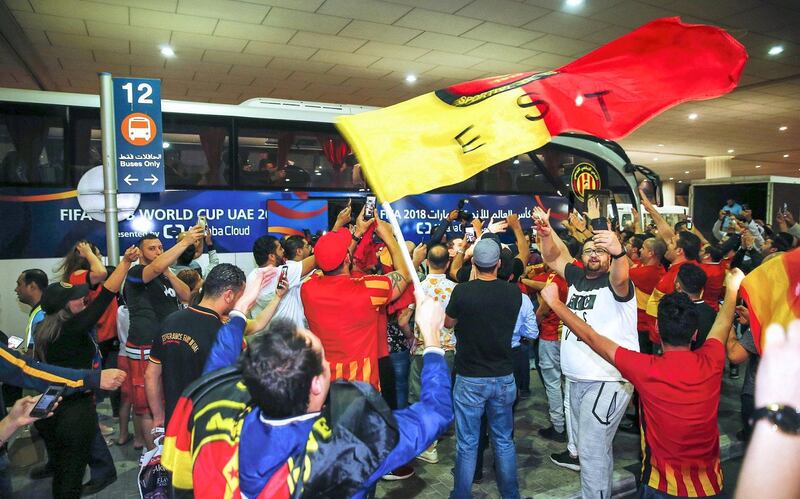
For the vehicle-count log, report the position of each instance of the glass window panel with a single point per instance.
(31, 145)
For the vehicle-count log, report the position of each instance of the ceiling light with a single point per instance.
(775, 50)
(286, 190)
(410, 78)
(574, 3)
(167, 51)
(730, 151)
(166, 145)
(783, 128)
(680, 181)
(516, 161)
(672, 178)
(785, 155)
(693, 116)
(758, 166)
(660, 145)
(686, 172)
(655, 159)
(318, 173)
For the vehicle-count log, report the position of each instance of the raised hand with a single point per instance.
(549, 293)
(608, 240)
(429, 317)
(541, 222)
(131, 254)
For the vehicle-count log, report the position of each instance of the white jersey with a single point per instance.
(594, 301)
(291, 306)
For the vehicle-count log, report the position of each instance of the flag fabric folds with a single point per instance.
(772, 293)
(449, 135)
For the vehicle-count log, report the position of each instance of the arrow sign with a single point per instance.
(152, 179)
(128, 179)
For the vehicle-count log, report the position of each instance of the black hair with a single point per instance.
(263, 247)
(223, 277)
(291, 244)
(714, 252)
(506, 268)
(278, 367)
(146, 237)
(626, 234)
(679, 224)
(187, 256)
(692, 278)
(690, 244)
(36, 276)
(636, 242)
(783, 241)
(485, 270)
(677, 319)
(573, 246)
(438, 256)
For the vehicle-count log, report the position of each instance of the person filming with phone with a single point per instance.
(63, 339)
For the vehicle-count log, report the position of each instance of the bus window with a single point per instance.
(292, 159)
(31, 146)
(196, 151)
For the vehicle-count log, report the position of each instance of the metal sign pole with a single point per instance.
(109, 166)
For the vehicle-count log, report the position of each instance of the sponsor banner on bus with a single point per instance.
(44, 223)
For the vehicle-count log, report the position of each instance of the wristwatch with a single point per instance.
(783, 417)
(620, 255)
(355, 237)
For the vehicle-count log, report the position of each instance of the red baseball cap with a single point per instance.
(331, 249)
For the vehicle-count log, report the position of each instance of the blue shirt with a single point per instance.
(526, 323)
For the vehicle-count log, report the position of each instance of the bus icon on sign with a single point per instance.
(138, 129)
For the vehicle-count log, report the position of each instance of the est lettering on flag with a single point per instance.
(772, 293)
(449, 135)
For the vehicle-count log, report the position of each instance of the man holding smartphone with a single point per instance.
(152, 292)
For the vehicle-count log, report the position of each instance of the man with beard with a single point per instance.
(603, 296)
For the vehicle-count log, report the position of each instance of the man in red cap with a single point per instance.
(343, 311)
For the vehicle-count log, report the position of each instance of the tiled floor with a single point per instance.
(538, 477)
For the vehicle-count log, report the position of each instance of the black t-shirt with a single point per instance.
(487, 313)
(148, 305)
(74, 347)
(705, 319)
(182, 348)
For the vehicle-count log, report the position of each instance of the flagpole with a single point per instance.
(387, 207)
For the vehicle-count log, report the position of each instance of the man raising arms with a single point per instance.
(603, 295)
(681, 454)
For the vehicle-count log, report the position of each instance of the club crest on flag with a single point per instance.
(584, 178)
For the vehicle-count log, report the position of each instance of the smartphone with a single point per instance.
(284, 273)
(469, 234)
(201, 221)
(689, 224)
(785, 208)
(369, 207)
(14, 342)
(47, 401)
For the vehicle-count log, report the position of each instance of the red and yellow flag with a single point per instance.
(449, 135)
(772, 293)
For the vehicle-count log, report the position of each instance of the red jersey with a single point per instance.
(715, 283)
(550, 324)
(345, 313)
(678, 398)
(107, 324)
(645, 278)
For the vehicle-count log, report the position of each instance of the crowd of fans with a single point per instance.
(326, 369)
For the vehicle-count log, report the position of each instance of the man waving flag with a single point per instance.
(449, 135)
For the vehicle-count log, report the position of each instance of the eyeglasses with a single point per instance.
(596, 251)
